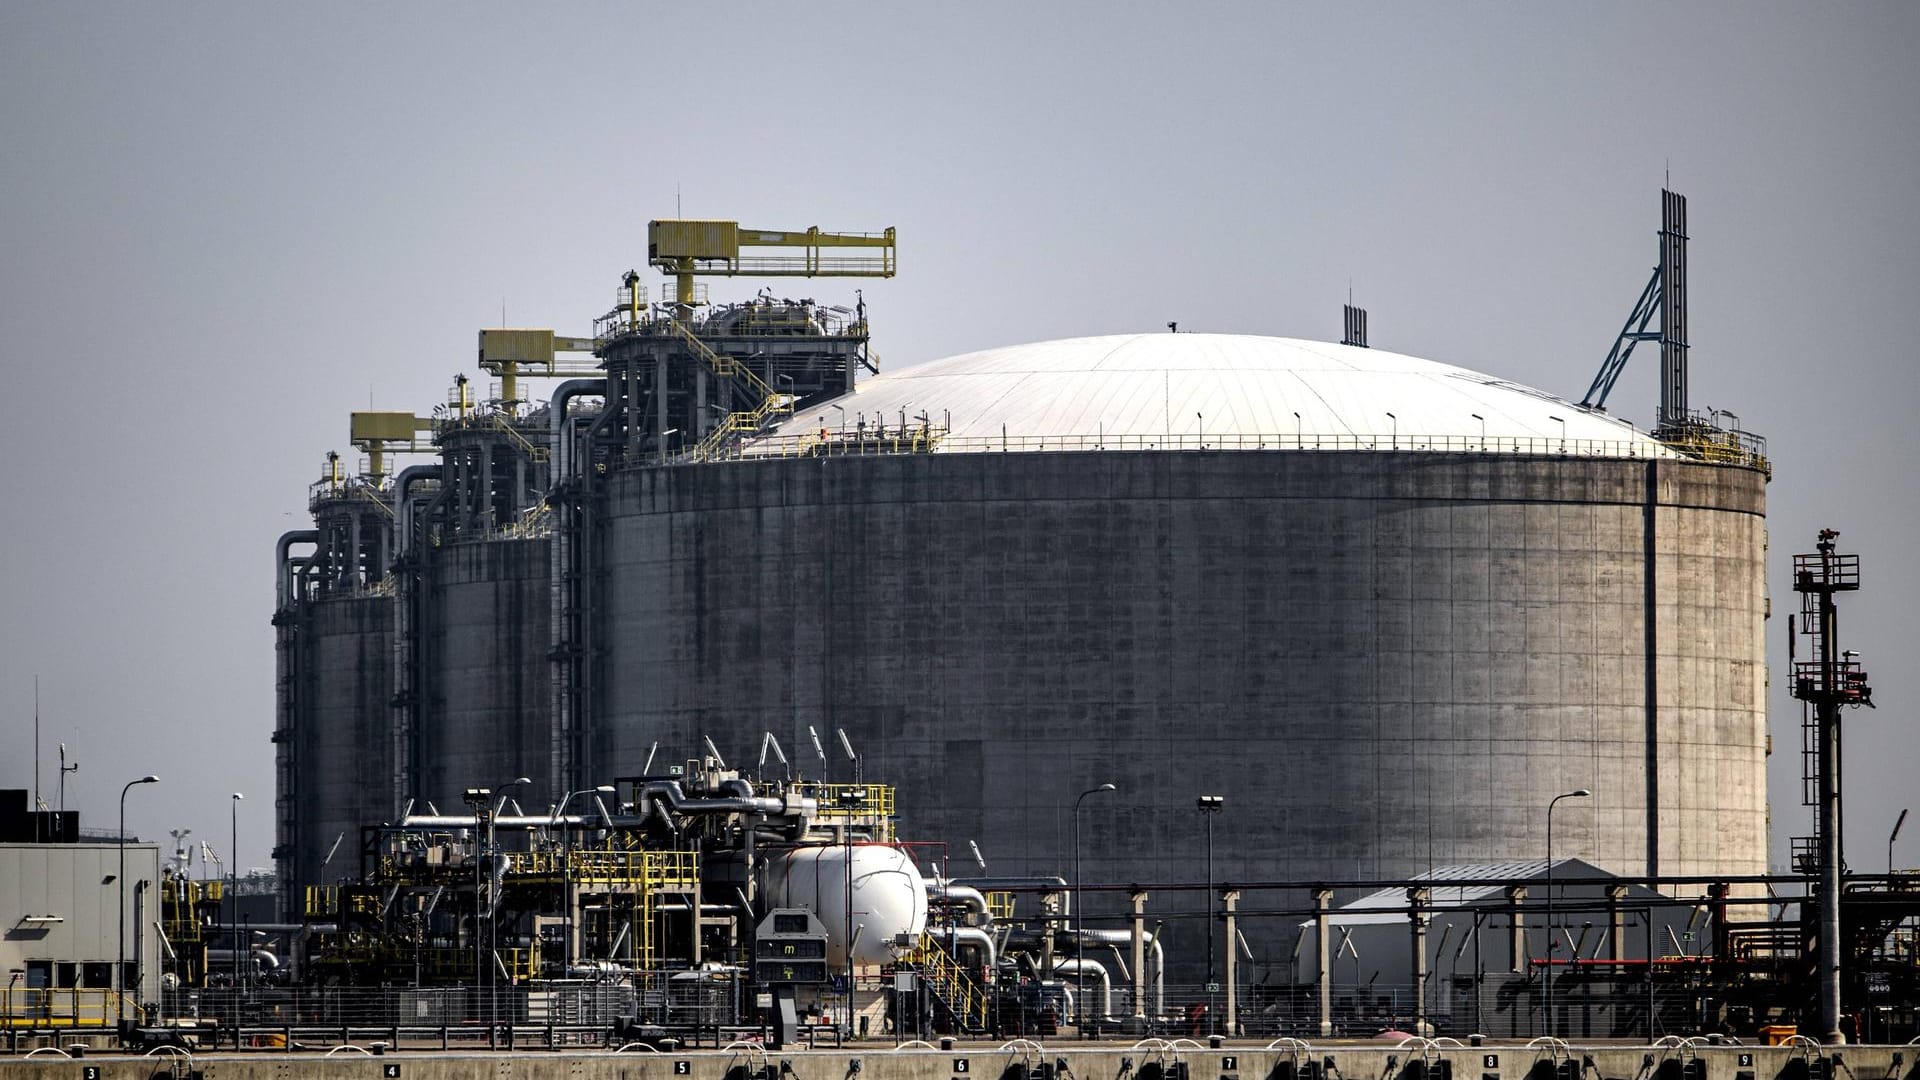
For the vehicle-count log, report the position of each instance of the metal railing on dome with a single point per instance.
(914, 439)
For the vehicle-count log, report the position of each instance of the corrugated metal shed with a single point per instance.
(1389, 905)
(1224, 390)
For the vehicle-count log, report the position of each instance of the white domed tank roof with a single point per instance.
(1220, 391)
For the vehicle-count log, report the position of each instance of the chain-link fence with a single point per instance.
(569, 1013)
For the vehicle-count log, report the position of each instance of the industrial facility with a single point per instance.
(1394, 609)
(1406, 602)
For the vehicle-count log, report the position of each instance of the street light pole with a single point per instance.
(1079, 915)
(493, 927)
(120, 883)
(566, 871)
(1209, 806)
(1580, 793)
(233, 883)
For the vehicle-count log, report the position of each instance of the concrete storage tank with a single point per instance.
(334, 624)
(486, 645)
(1389, 607)
(475, 637)
(343, 735)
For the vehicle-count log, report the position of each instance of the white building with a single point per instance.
(59, 929)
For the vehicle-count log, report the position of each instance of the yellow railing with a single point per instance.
(494, 420)
(533, 523)
(347, 490)
(734, 423)
(322, 900)
(651, 869)
(536, 454)
(725, 366)
(78, 1008)
(850, 800)
(950, 983)
(1000, 905)
(1721, 448)
(181, 907)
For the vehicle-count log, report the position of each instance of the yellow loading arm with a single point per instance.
(381, 433)
(513, 353)
(683, 248)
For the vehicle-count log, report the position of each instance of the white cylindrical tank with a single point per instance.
(889, 896)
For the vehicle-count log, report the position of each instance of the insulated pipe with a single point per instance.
(283, 584)
(992, 884)
(657, 797)
(557, 415)
(423, 822)
(973, 935)
(426, 822)
(407, 664)
(573, 632)
(972, 898)
(1090, 967)
(1125, 937)
(403, 504)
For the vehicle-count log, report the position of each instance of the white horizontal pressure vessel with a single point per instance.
(889, 896)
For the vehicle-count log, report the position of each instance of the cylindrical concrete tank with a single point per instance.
(1389, 608)
(486, 651)
(341, 734)
(889, 896)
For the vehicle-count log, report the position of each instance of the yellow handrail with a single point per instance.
(950, 982)
(867, 800)
(536, 454)
(67, 1008)
(770, 405)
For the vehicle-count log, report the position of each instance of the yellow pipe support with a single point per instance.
(683, 285)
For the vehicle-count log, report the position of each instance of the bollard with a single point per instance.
(946, 1042)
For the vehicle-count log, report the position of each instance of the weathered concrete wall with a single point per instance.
(341, 740)
(485, 721)
(1384, 661)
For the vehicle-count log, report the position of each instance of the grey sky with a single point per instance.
(222, 228)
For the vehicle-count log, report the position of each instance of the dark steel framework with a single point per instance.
(1666, 297)
(1826, 682)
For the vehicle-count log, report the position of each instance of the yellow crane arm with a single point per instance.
(513, 353)
(684, 248)
(813, 238)
(382, 433)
